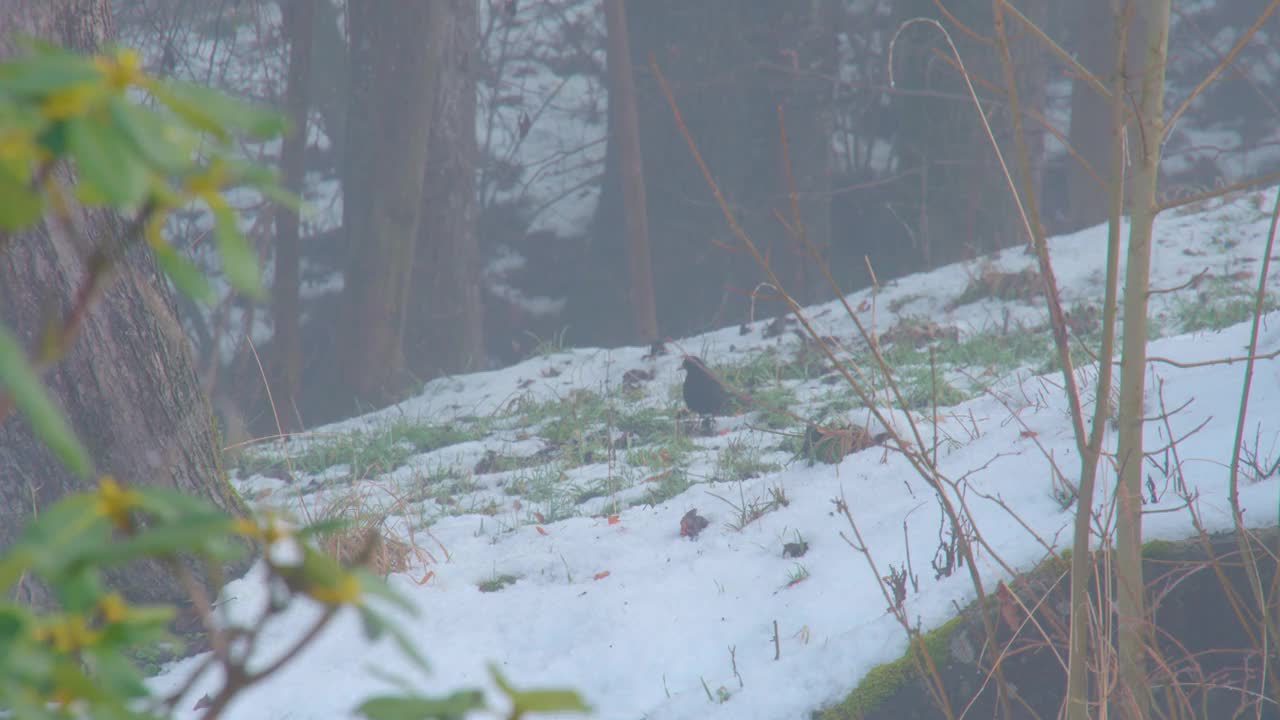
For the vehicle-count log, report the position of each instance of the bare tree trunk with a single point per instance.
(1135, 634)
(286, 341)
(1090, 127)
(388, 126)
(329, 82)
(730, 65)
(624, 122)
(127, 385)
(805, 99)
(445, 333)
(1031, 72)
(1077, 702)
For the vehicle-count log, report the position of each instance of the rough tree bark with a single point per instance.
(286, 339)
(388, 126)
(445, 333)
(127, 385)
(624, 124)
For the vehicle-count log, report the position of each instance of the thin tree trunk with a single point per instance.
(730, 65)
(624, 122)
(330, 74)
(388, 126)
(1135, 636)
(128, 385)
(286, 341)
(1031, 70)
(1090, 127)
(1090, 113)
(1082, 555)
(805, 99)
(446, 333)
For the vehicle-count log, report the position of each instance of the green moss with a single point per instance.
(425, 437)
(839, 402)
(240, 507)
(918, 385)
(150, 658)
(591, 492)
(1219, 303)
(497, 582)
(775, 396)
(882, 681)
(1053, 564)
(1159, 549)
(676, 449)
(645, 424)
(1060, 563)
(741, 461)
(672, 482)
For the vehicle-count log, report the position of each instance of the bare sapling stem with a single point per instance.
(1035, 233)
(1270, 622)
(918, 457)
(1077, 670)
(1223, 64)
(1134, 632)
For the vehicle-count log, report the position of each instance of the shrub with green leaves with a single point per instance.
(75, 661)
(58, 107)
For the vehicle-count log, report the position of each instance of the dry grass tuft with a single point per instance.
(363, 537)
(1024, 285)
(917, 332)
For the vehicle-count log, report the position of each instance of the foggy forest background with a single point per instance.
(494, 119)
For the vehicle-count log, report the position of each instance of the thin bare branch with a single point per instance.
(1209, 195)
(1222, 65)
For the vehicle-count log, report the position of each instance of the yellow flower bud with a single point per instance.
(115, 502)
(70, 101)
(346, 590)
(113, 607)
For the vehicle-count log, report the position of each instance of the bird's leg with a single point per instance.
(708, 424)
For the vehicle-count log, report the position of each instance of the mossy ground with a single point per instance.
(882, 681)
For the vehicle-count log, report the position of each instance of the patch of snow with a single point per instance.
(638, 618)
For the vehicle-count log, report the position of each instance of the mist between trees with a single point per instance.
(471, 276)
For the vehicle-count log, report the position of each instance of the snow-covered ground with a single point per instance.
(647, 623)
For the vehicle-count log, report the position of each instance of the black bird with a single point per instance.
(703, 393)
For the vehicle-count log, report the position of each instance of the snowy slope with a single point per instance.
(644, 621)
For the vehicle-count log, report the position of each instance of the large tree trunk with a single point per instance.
(624, 127)
(445, 333)
(730, 66)
(1031, 73)
(805, 97)
(388, 126)
(127, 385)
(286, 336)
(329, 81)
(1090, 126)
